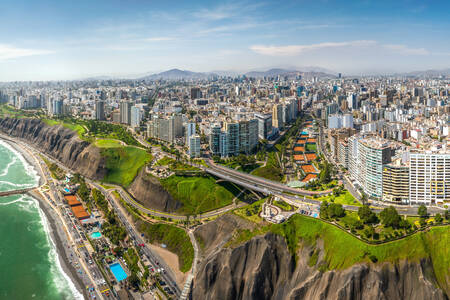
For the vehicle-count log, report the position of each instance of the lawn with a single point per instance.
(345, 198)
(283, 205)
(251, 212)
(199, 194)
(175, 165)
(311, 147)
(107, 143)
(271, 170)
(175, 238)
(123, 164)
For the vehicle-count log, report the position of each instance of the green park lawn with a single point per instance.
(311, 148)
(345, 198)
(199, 194)
(79, 129)
(107, 143)
(123, 164)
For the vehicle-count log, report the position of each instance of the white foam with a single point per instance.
(29, 169)
(20, 199)
(54, 257)
(6, 170)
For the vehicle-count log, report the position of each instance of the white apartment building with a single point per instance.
(429, 178)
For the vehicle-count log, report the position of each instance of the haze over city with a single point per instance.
(57, 40)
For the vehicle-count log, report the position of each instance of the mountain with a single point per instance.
(289, 73)
(177, 74)
(429, 73)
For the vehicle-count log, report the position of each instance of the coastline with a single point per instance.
(56, 229)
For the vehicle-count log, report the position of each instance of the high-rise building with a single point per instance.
(57, 107)
(352, 100)
(196, 93)
(429, 178)
(194, 145)
(277, 116)
(136, 117)
(100, 110)
(373, 155)
(264, 125)
(214, 139)
(347, 121)
(232, 131)
(190, 130)
(396, 182)
(125, 112)
(248, 135)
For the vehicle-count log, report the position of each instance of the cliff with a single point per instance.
(150, 193)
(263, 268)
(60, 143)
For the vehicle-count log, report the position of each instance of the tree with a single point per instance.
(438, 218)
(367, 215)
(335, 210)
(134, 280)
(447, 214)
(369, 232)
(422, 211)
(325, 173)
(390, 217)
(324, 210)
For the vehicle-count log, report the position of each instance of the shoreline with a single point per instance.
(56, 231)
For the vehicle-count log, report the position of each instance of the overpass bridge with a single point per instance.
(16, 192)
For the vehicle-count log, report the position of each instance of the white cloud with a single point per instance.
(293, 50)
(11, 52)
(402, 49)
(158, 39)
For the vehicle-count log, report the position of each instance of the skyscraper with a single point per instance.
(125, 112)
(135, 116)
(232, 131)
(194, 145)
(100, 110)
(190, 130)
(277, 116)
(264, 125)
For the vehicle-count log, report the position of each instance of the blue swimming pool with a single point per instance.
(66, 190)
(96, 235)
(118, 271)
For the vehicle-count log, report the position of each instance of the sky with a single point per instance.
(64, 40)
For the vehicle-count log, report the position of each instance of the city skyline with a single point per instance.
(50, 40)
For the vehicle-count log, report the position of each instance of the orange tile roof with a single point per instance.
(308, 169)
(301, 142)
(311, 140)
(299, 149)
(308, 177)
(299, 157)
(310, 156)
(80, 212)
(72, 200)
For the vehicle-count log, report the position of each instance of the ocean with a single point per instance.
(29, 264)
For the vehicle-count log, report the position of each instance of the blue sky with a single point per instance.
(48, 40)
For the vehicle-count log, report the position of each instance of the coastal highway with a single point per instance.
(154, 258)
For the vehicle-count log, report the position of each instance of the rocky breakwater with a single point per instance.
(60, 143)
(150, 193)
(263, 268)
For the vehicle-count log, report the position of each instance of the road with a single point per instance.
(153, 257)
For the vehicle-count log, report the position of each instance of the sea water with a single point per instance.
(29, 264)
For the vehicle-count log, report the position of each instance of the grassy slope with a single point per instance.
(199, 194)
(123, 164)
(175, 238)
(342, 250)
(80, 130)
(271, 170)
(345, 198)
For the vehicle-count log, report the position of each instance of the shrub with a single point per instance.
(373, 258)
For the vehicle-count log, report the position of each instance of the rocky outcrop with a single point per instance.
(213, 235)
(60, 143)
(149, 192)
(263, 268)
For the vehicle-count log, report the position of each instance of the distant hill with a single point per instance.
(429, 73)
(288, 73)
(177, 74)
